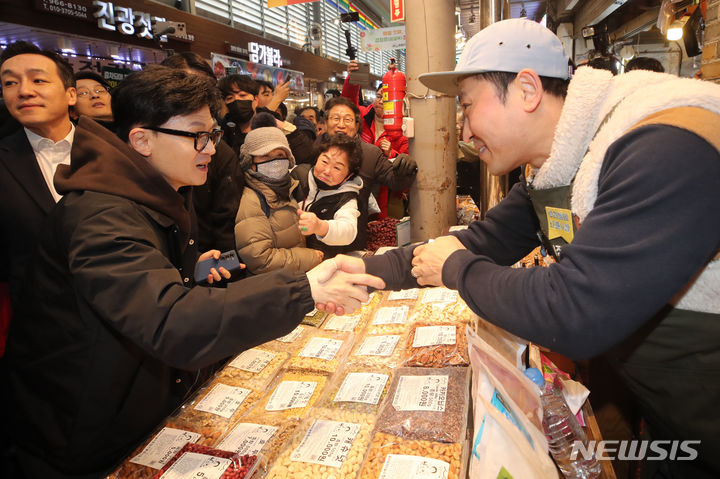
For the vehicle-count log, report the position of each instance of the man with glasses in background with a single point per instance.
(113, 334)
(93, 98)
(343, 116)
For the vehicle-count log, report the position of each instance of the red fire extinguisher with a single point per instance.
(393, 96)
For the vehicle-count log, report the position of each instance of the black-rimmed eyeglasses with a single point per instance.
(202, 138)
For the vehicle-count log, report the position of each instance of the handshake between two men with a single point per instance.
(340, 285)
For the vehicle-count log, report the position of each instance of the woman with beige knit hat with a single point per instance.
(267, 236)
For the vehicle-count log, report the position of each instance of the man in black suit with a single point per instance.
(38, 87)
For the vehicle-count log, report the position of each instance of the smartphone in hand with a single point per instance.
(228, 260)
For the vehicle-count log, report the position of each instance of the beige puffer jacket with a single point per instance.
(270, 243)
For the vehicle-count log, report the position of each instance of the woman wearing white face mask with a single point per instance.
(267, 236)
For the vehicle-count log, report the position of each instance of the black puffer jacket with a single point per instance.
(112, 335)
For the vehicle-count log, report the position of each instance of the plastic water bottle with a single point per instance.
(562, 430)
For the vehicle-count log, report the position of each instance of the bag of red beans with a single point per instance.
(194, 460)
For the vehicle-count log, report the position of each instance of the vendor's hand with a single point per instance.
(215, 274)
(353, 66)
(310, 224)
(404, 165)
(429, 259)
(347, 291)
(385, 146)
(348, 264)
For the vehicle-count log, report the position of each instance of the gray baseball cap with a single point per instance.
(506, 46)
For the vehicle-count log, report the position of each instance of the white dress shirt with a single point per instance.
(50, 154)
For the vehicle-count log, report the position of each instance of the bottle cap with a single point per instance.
(535, 376)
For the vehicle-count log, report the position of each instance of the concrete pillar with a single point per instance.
(711, 43)
(430, 35)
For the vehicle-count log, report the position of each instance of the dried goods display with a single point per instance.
(428, 404)
(202, 461)
(405, 297)
(329, 443)
(384, 449)
(537, 257)
(262, 435)
(379, 351)
(457, 311)
(322, 352)
(357, 389)
(389, 320)
(314, 318)
(293, 394)
(467, 210)
(253, 368)
(214, 407)
(329, 389)
(154, 453)
(437, 345)
(382, 233)
(292, 341)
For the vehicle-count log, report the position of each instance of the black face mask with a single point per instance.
(239, 112)
(324, 186)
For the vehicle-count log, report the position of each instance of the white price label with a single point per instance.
(434, 335)
(247, 438)
(421, 393)
(440, 295)
(342, 323)
(163, 447)
(393, 315)
(291, 394)
(327, 443)
(253, 360)
(378, 345)
(193, 465)
(321, 348)
(404, 294)
(223, 400)
(362, 387)
(292, 335)
(413, 467)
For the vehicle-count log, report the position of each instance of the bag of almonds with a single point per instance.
(437, 345)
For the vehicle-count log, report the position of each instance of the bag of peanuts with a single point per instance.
(437, 345)
(323, 352)
(427, 404)
(215, 406)
(391, 456)
(330, 443)
(202, 461)
(263, 436)
(253, 368)
(508, 440)
(357, 388)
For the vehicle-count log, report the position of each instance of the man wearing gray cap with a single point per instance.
(622, 183)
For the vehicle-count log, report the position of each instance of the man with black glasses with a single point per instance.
(113, 334)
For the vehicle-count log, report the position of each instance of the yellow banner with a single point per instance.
(285, 3)
(559, 223)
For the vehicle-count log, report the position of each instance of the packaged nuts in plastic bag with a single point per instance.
(437, 345)
(428, 404)
(331, 443)
(392, 456)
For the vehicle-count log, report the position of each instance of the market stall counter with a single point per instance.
(384, 392)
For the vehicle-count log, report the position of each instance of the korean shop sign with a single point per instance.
(108, 15)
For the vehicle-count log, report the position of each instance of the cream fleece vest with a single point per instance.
(598, 110)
